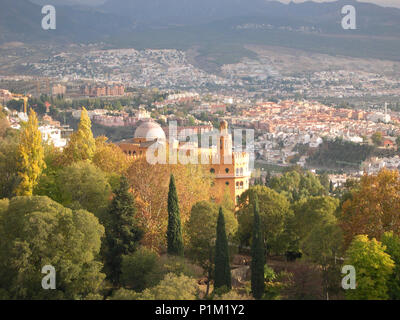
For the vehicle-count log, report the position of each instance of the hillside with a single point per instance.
(21, 21)
(218, 30)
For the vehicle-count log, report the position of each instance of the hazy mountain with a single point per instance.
(372, 19)
(70, 2)
(220, 28)
(21, 20)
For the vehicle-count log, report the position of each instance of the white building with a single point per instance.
(51, 134)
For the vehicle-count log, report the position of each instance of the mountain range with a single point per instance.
(218, 26)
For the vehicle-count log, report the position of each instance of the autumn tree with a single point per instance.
(109, 157)
(122, 233)
(222, 274)
(373, 208)
(150, 184)
(35, 232)
(373, 269)
(82, 145)
(30, 156)
(174, 230)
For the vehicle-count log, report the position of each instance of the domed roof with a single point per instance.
(150, 131)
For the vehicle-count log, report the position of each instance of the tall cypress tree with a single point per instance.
(222, 267)
(257, 255)
(122, 233)
(174, 232)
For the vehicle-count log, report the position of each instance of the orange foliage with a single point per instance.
(374, 208)
(150, 187)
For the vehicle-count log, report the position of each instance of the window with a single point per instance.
(227, 170)
(212, 170)
(227, 183)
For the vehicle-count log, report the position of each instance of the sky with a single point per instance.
(389, 3)
(386, 3)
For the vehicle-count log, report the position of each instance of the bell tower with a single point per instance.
(224, 144)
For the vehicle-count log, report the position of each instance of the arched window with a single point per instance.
(227, 170)
(212, 170)
(130, 153)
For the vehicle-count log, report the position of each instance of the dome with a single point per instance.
(150, 131)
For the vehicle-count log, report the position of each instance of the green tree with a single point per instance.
(141, 270)
(373, 269)
(275, 213)
(257, 254)
(172, 287)
(82, 145)
(398, 143)
(9, 178)
(122, 232)
(377, 138)
(35, 232)
(174, 232)
(222, 267)
(310, 212)
(30, 156)
(322, 245)
(392, 243)
(201, 228)
(297, 185)
(79, 186)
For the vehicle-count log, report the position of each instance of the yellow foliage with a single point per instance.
(31, 156)
(109, 157)
(82, 145)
